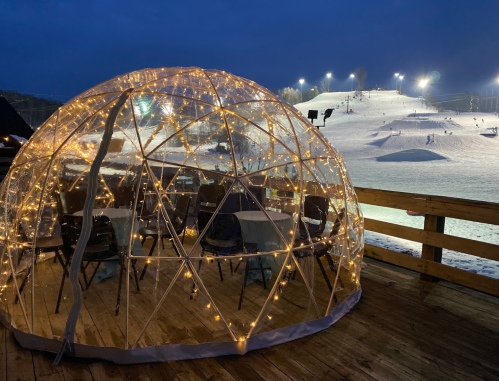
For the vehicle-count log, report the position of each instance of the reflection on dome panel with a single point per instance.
(215, 214)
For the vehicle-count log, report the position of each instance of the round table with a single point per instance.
(257, 228)
(121, 220)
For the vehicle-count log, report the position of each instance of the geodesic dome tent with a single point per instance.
(176, 213)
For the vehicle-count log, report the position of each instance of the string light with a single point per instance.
(211, 127)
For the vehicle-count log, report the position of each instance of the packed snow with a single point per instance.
(428, 152)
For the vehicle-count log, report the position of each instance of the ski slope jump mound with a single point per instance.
(413, 155)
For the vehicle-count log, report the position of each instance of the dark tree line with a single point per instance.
(34, 110)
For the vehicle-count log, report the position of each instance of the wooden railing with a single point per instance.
(432, 237)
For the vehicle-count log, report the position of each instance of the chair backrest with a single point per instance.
(260, 194)
(123, 196)
(316, 208)
(208, 193)
(235, 202)
(102, 233)
(71, 202)
(224, 232)
(179, 218)
(337, 223)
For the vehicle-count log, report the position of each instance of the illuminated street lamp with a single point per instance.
(401, 77)
(352, 76)
(423, 84)
(328, 76)
(301, 88)
(396, 75)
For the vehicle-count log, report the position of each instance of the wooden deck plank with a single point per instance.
(402, 328)
(3, 353)
(19, 361)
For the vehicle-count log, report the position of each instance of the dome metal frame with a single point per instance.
(157, 127)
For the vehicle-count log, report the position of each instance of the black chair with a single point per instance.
(321, 247)
(123, 196)
(208, 194)
(144, 206)
(315, 208)
(179, 221)
(260, 194)
(43, 245)
(224, 237)
(71, 202)
(101, 247)
(235, 202)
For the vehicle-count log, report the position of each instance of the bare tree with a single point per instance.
(360, 74)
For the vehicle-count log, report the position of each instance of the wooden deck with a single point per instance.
(402, 329)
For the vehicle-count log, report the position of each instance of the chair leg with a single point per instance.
(220, 270)
(87, 286)
(230, 264)
(58, 256)
(150, 254)
(135, 275)
(246, 273)
(175, 247)
(23, 284)
(64, 274)
(239, 264)
(200, 261)
(119, 290)
(82, 269)
(329, 260)
(323, 271)
(183, 234)
(263, 273)
(199, 272)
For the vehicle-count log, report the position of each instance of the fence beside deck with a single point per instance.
(432, 236)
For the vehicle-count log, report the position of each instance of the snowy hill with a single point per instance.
(394, 142)
(386, 123)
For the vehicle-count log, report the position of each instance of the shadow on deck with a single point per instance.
(402, 329)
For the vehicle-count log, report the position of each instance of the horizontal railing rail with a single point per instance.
(432, 236)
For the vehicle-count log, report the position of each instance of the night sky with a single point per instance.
(60, 48)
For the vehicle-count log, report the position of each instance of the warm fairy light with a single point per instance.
(187, 122)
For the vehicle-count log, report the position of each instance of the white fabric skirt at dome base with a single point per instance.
(174, 352)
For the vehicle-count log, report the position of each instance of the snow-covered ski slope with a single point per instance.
(388, 123)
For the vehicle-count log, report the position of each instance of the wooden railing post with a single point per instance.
(431, 253)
